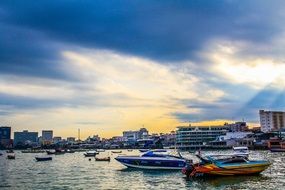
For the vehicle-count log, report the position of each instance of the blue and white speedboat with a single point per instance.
(154, 160)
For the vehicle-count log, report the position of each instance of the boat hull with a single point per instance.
(224, 170)
(108, 159)
(156, 164)
(43, 159)
(278, 150)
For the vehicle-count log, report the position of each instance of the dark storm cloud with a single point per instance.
(16, 103)
(162, 30)
(25, 52)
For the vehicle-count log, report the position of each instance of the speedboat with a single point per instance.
(154, 160)
(224, 165)
(39, 159)
(91, 153)
(241, 151)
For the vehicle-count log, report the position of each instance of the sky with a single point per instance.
(108, 66)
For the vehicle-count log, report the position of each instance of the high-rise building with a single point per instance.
(47, 137)
(271, 120)
(25, 137)
(5, 136)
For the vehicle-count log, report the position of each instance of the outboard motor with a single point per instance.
(188, 169)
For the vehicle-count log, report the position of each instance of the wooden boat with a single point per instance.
(40, 159)
(143, 150)
(116, 151)
(277, 150)
(11, 156)
(107, 159)
(231, 165)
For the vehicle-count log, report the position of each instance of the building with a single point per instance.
(143, 133)
(237, 126)
(5, 136)
(57, 139)
(195, 137)
(70, 139)
(271, 120)
(47, 137)
(231, 139)
(25, 137)
(168, 139)
(131, 136)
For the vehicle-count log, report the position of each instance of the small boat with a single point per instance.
(277, 149)
(225, 165)
(91, 153)
(49, 152)
(143, 150)
(39, 159)
(116, 151)
(11, 156)
(59, 151)
(69, 151)
(9, 151)
(32, 151)
(107, 159)
(154, 160)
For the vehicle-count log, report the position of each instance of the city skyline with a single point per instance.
(110, 66)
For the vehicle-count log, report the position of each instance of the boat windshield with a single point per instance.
(226, 159)
(153, 153)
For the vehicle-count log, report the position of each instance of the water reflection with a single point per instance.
(74, 171)
(224, 181)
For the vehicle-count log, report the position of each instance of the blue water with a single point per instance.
(74, 171)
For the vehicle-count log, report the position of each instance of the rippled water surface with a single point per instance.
(73, 171)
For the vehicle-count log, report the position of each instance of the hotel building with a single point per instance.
(271, 120)
(195, 137)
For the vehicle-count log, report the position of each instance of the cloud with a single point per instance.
(229, 61)
(158, 30)
(122, 64)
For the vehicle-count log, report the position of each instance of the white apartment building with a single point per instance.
(271, 120)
